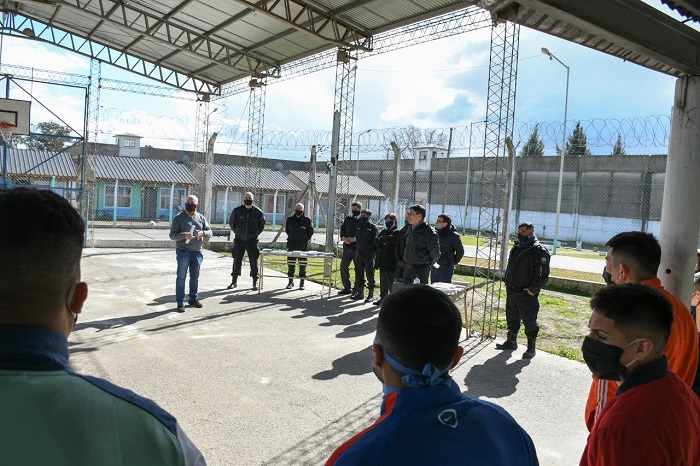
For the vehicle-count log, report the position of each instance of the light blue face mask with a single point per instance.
(429, 377)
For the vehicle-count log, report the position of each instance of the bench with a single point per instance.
(221, 232)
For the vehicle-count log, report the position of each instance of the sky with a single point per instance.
(439, 84)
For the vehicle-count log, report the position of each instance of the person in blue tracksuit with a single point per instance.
(51, 415)
(425, 419)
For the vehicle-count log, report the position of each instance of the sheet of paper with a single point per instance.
(191, 233)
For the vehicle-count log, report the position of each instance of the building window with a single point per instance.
(434, 153)
(129, 142)
(268, 202)
(423, 155)
(179, 197)
(123, 196)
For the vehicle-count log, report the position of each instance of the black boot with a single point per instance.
(530, 352)
(290, 285)
(360, 294)
(234, 282)
(369, 297)
(511, 342)
(301, 284)
(255, 283)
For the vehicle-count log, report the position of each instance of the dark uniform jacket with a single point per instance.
(365, 234)
(401, 245)
(299, 231)
(247, 224)
(385, 242)
(422, 246)
(451, 248)
(347, 230)
(528, 266)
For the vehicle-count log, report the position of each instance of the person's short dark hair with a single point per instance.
(366, 211)
(637, 310)
(419, 209)
(391, 216)
(640, 250)
(42, 252)
(419, 325)
(528, 225)
(356, 204)
(446, 219)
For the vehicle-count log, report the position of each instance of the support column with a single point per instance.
(680, 212)
(256, 122)
(344, 104)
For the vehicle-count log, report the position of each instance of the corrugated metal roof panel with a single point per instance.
(234, 176)
(40, 163)
(220, 41)
(108, 167)
(350, 184)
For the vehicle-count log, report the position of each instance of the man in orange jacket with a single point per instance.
(634, 257)
(654, 415)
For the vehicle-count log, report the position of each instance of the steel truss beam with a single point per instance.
(130, 18)
(304, 17)
(447, 25)
(256, 122)
(500, 115)
(19, 26)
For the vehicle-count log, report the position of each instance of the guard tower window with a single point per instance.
(423, 155)
(129, 142)
(434, 153)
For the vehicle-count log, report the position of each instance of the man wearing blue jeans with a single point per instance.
(188, 230)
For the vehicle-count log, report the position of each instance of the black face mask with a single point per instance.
(522, 238)
(248, 202)
(298, 213)
(364, 219)
(355, 213)
(190, 207)
(603, 360)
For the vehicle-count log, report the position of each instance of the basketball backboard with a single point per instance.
(15, 112)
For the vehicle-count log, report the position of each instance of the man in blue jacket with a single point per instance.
(425, 418)
(50, 415)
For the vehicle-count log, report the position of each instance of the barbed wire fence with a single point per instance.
(601, 194)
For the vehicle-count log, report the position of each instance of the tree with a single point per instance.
(577, 145)
(53, 141)
(13, 140)
(619, 147)
(534, 145)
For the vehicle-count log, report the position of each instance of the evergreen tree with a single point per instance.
(50, 142)
(534, 145)
(577, 145)
(619, 147)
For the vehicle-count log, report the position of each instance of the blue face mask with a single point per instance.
(429, 377)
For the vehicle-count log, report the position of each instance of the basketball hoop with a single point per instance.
(6, 130)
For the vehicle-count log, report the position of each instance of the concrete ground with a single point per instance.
(282, 377)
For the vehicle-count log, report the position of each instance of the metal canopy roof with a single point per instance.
(215, 46)
(208, 43)
(628, 29)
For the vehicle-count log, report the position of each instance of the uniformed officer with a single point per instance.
(527, 273)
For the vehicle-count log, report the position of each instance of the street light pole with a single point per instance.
(563, 152)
